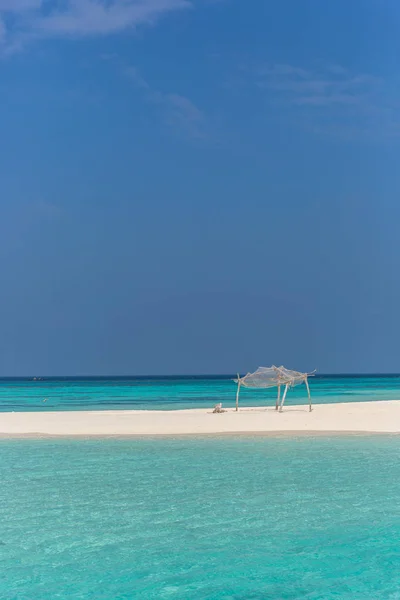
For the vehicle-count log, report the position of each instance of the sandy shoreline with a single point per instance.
(357, 417)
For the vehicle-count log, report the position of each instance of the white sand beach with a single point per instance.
(357, 417)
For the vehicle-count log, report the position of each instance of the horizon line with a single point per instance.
(187, 376)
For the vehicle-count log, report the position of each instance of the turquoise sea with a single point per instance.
(203, 518)
(239, 518)
(167, 393)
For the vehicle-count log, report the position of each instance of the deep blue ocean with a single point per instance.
(168, 393)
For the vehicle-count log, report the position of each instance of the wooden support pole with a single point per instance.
(278, 397)
(237, 394)
(284, 396)
(309, 394)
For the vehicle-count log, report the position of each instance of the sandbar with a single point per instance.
(349, 417)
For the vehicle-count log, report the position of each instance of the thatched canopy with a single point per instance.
(268, 377)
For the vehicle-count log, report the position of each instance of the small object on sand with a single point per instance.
(218, 408)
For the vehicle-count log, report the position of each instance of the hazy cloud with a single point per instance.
(78, 18)
(184, 114)
(133, 74)
(19, 5)
(332, 85)
(329, 99)
(87, 17)
(179, 111)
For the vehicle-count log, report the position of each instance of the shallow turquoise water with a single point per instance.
(218, 518)
(180, 392)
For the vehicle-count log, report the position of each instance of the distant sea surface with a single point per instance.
(169, 393)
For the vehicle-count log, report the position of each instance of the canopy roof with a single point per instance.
(266, 377)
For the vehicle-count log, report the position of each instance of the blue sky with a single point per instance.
(199, 186)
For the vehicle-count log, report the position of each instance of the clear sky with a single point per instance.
(199, 186)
